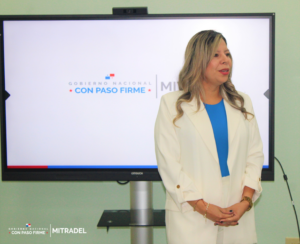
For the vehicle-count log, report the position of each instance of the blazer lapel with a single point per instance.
(203, 125)
(233, 120)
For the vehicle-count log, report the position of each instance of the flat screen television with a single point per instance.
(80, 94)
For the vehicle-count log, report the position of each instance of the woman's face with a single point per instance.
(219, 67)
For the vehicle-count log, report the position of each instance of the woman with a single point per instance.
(209, 151)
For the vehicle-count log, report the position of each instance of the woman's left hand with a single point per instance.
(238, 210)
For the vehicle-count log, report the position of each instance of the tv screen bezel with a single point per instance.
(131, 174)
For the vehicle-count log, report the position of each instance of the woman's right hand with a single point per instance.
(214, 213)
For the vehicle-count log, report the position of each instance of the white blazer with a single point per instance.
(188, 163)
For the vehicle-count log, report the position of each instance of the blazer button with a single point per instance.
(259, 179)
(178, 186)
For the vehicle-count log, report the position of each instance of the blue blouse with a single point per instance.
(218, 119)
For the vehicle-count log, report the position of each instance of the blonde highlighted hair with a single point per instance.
(199, 51)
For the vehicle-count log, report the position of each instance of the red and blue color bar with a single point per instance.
(90, 167)
(84, 167)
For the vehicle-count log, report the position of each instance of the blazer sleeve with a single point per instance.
(255, 157)
(167, 148)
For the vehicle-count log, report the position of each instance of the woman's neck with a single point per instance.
(212, 94)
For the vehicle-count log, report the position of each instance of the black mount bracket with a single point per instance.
(130, 11)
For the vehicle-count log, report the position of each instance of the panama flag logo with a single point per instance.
(28, 225)
(108, 77)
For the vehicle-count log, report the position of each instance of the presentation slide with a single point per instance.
(85, 94)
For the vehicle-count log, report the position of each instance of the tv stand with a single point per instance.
(141, 217)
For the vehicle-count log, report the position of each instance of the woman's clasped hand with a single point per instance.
(221, 216)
